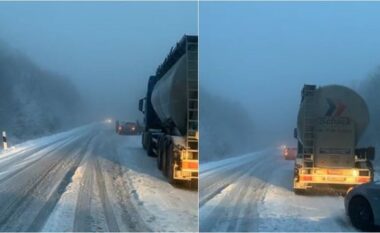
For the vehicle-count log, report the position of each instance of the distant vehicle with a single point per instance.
(127, 128)
(170, 109)
(362, 205)
(289, 153)
(331, 120)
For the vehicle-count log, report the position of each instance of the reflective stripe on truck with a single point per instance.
(334, 176)
(189, 165)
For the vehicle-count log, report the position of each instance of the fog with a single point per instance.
(34, 101)
(226, 127)
(260, 54)
(107, 50)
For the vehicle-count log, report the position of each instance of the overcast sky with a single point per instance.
(108, 49)
(258, 53)
(261, 53)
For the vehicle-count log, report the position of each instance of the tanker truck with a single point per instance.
(170, 110)
(330, 122)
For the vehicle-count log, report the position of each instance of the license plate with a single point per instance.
(334, 172)
(336, 179)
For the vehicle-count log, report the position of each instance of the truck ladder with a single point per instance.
(308, 124)
(192, 100)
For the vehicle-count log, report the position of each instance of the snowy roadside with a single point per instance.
(282, 210)
(229, 192)
(125, 192)
(233, 161)
(43, 141)
(260, 187)
(63, 215)
(162, 206)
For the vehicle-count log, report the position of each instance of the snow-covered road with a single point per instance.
(253, 192)
(89, 179)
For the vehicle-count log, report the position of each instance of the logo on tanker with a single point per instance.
(335, 108)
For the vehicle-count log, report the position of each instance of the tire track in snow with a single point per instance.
(20, 156)
(130, 212)
(108, 212)
(44, 213)
(83, 219)
(24, 150)
(235, 207)
(39, 155)
(129, 215)
(282, 210)
(13, 213)
(216, 180)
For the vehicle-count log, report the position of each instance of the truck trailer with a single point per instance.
(331, 120)
(170, 110)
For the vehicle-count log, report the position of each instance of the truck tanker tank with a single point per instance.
(169, 96)
(336, 101)
(170, 109)
(330, 122)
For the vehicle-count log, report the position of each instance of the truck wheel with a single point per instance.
(299, 191)
(194, 184)
(161, 148)
(164, 157)
(150, 145)
(170, 163)
(143, 141)
(360, 214)
(159, 161)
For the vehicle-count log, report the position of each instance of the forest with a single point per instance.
(34, 101)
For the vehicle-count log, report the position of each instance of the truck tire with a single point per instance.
(161, 148)
(149, 145)
(170, 163)
(299, 191)
(360, 213)
(143, 141)
(194, 184)
(164, 157)
(371, 170)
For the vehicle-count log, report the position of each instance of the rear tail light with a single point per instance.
(306, 178)
(363, 179)
(189, 165)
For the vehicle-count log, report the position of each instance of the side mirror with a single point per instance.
(370, 153)
(141, 105)
(295, 134)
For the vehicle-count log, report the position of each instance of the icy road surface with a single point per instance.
(253, 192)
(89, 179)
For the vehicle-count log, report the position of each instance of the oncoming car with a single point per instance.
(127, 128)
(289, 153)
(362, 205)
